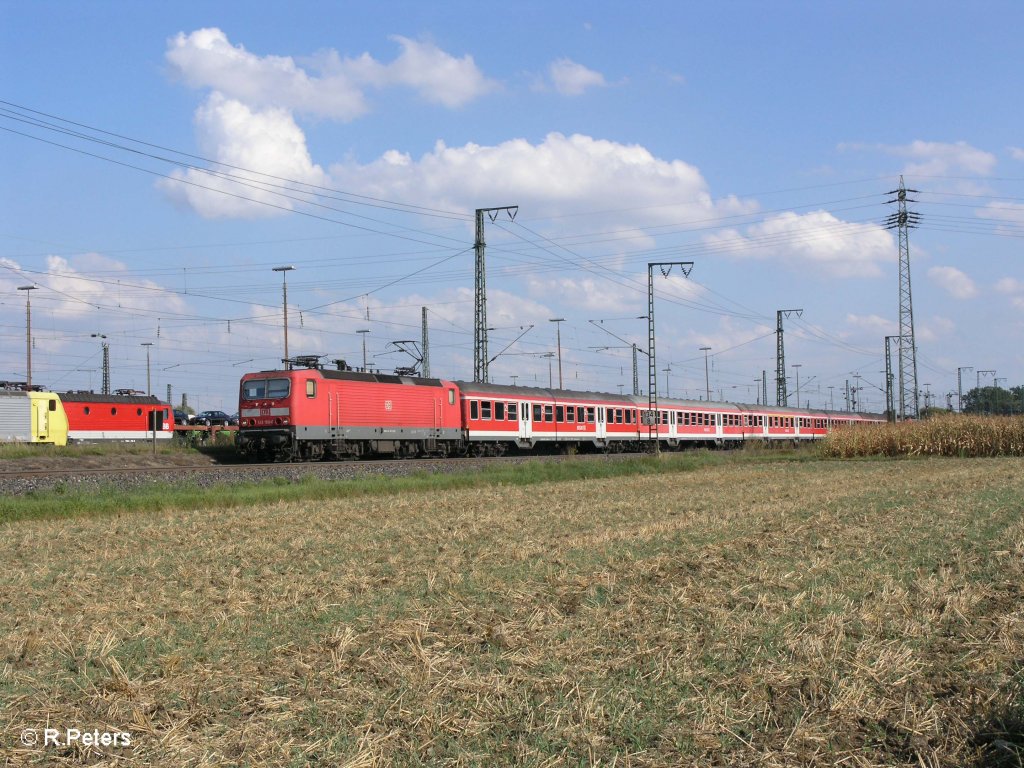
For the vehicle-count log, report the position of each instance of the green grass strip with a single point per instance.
(64, 502)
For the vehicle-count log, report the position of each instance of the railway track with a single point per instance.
(370, 465)
(18, 481)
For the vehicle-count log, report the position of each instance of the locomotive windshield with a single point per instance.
(265, 389)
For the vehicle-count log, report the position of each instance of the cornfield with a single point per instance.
(953, 435)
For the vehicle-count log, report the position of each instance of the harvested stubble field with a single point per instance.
(753, 614)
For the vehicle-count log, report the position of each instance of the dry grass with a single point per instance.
(752, 615)
(944, 435)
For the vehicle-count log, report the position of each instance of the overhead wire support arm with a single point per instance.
(480, 359)
(508, 346)
(632, 345)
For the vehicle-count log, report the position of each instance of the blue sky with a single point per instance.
(758, 140)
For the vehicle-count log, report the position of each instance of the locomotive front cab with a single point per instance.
(265, 415)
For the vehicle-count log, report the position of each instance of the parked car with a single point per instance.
(181, 417)
(233, 419)
(211, 418)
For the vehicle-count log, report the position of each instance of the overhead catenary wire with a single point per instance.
(537, 262)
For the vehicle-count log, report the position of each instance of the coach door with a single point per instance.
(600, 428)
(525, 433)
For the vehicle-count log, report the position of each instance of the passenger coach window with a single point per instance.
(474, 410)
(559, 413)
(536, 412)
(499, 411)
(485, 410)
(513, 411)
(548, 412)
(590, 414)
(580, 414)
(570, 414)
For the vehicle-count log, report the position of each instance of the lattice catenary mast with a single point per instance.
(480, 358)
(903, 221)
(781, 394)
(652, 368)
(425, 345)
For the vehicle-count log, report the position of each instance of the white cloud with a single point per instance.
(70, 289)
(1010, 285)
(78, 292)
(572, 79)
(561, 174)
(817, 239)
(954, 282)
(589, 293)
(875, 325)
(936, 158)
(1008, 213)
(946, 163)
(206, 58)
(1017, 153)
(267, 141)
(933, 329)
(437, 76)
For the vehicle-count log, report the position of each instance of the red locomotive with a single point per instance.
(116, 417)
(311, 413)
